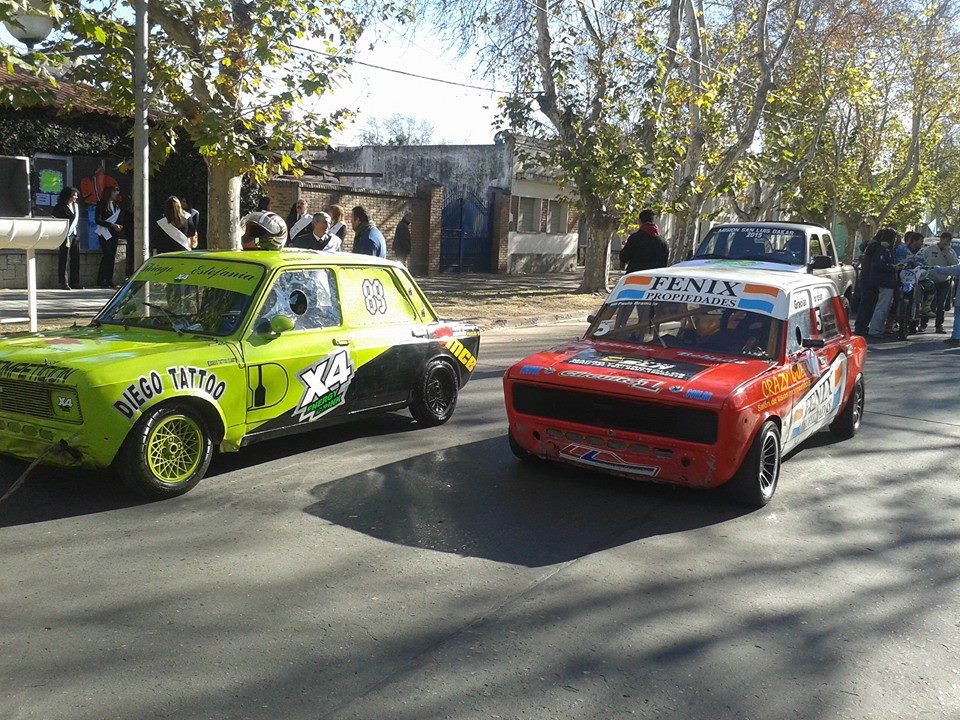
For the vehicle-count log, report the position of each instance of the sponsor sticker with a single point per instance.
(704, 395)
(700, 291)
(531, 370)
(462, 354)
(325, 384)
(633, 382)
(605, 459)
(637, 364)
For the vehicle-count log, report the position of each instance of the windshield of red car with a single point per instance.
(764, 244)
(689, 326)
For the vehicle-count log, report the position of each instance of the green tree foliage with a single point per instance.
(232, 77)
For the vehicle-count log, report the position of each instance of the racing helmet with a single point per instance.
(263, 230)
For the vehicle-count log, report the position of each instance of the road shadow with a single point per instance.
(476, 500)
(53, 493)
(292, 445)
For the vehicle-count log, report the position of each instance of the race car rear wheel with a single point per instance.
(166, 453)
(756, 481)
(434, 396)
(848, 421)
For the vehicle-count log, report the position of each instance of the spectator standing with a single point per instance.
(941, 255)
(92, 190)
(318, 236)
(367, 238)
(193, 214)
(298, 221)
(67, 209)
(108, 230)
(645, 249)
(868, 286)
(179, 232)
(885, 277)
(402, 241)
(339, 227)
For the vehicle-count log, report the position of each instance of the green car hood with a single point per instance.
(98, 354)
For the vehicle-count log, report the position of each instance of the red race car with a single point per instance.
(700, 376)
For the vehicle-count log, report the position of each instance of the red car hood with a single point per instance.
(626, 369)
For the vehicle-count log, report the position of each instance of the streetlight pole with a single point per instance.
(141, 146)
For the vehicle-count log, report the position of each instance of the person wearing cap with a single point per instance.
(263, 231)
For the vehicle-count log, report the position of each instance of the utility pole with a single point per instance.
(141, 146)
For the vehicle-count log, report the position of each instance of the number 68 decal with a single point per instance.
(374, 298)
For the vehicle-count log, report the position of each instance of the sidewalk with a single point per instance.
(486, 299)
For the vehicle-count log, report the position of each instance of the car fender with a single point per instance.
(209, 409)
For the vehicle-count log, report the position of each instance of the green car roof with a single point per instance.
(271, 259)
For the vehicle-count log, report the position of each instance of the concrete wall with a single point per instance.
(541, 252)
(13, 268)
(472, 167)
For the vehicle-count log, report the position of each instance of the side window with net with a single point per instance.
(800, 324)
(308, 297)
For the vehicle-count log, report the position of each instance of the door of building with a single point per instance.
(465, 233)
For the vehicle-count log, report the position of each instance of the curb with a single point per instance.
(506, 323)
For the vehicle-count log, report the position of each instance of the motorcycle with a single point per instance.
(916, 291)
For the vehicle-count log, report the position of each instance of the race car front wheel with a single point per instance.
(756, 480)
(434, 395)
(167, 452)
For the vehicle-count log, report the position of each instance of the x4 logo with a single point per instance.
(324, 385)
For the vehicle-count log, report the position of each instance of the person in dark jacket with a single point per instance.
(367, 238)
(869, 290)
(67, 209)
(402, 242)
(884, 276)
(108, 229)
(645, 249)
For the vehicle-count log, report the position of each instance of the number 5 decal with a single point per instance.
(373, 297)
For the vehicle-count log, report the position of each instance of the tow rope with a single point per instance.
(59, 446)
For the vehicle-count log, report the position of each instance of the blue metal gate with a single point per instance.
(465, 234)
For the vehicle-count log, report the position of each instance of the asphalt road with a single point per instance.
(389, 572)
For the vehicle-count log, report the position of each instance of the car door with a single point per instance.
(301, 373)
(814, 317)
(387, 336)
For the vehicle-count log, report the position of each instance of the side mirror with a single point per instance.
(821, 262)
(812, 343)
(278, 324)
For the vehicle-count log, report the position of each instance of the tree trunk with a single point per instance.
(596, 264)
(223, 206)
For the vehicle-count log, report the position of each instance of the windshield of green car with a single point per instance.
(689, 326)
(186, 293)
(764, 244)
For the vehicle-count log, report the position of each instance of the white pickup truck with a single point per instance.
(780, 246)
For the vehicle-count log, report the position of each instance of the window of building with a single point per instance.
(529, 215)
(557, 217)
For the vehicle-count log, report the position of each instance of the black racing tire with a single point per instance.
(847, 423)
(166, 453)
(434, 395)
(520, 453)
(756, 481)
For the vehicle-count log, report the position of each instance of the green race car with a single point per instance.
(207, 349)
